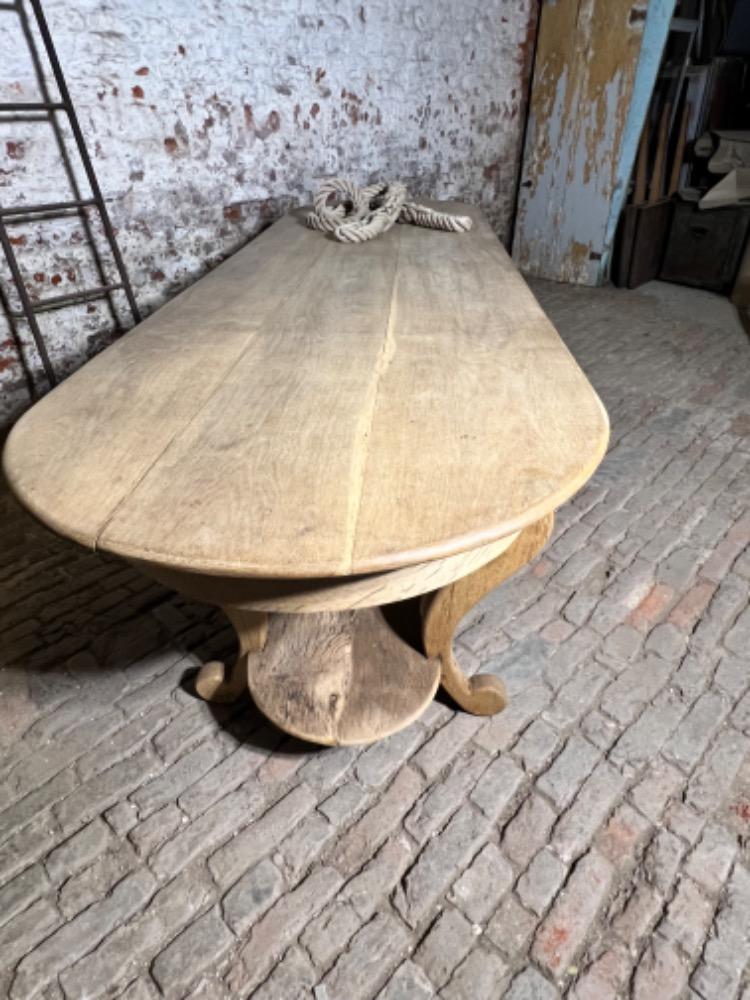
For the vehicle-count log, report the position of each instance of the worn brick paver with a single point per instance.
(589, 842)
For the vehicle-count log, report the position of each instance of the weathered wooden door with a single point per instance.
(594, 73)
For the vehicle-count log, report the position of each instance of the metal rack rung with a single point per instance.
(27, 213)
(17, 106)
(50, 206)
(57, 301)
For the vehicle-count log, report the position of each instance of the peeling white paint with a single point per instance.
(581, 94)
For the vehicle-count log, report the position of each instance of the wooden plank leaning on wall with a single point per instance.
(581, 140)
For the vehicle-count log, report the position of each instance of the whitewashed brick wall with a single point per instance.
(206, 119)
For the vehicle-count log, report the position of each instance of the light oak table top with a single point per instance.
(316, 409)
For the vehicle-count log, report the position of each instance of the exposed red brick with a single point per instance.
(652, 607)
(543, 568)
(137, 92)
(690, 607)
(566, 928)
(170, 144)
(622, 835)
(741, 425)
(720, 562)
(553, 940)
(142, 71)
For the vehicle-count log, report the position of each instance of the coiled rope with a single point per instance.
(359, 213)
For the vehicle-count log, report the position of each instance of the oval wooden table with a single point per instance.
(314, 431)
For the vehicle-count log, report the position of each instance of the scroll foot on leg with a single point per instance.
(218, 684)
(442, 611)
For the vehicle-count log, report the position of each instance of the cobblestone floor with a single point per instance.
(591, 841)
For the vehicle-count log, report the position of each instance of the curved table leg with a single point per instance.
(214, 682)
(442, 610)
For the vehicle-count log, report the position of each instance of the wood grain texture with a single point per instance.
(311, 409)
(679, 151)
(482, 694)
(641, 169)
(214, 682)
(82, 450)
(656, 188)
(340, 678)
(586, 63)
(311, 594)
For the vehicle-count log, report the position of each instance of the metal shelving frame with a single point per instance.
(29, 213)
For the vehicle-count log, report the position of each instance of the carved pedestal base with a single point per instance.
(442, 611)
(336, 677)
(344, 676)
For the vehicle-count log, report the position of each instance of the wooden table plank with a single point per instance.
(484, 422)
(76, 455)
(263, 478)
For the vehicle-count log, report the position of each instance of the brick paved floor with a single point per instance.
(590, 841)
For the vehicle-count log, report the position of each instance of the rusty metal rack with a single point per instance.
(76, 205)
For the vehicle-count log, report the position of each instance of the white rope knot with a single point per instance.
(353, 214)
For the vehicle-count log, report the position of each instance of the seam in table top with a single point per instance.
(178, 434)
(361, 454)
